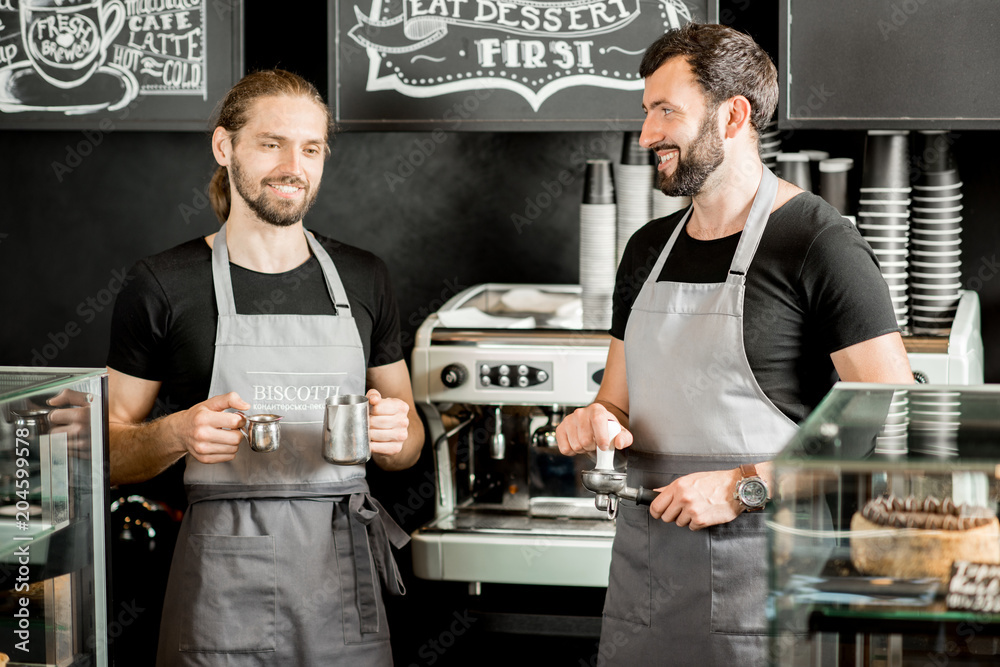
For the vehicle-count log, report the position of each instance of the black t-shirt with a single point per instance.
(164, 321)
(813, 287)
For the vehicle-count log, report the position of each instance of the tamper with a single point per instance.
(609, 484)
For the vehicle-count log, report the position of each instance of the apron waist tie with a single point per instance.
(372, 533)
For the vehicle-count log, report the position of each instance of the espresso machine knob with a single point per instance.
(453, 375)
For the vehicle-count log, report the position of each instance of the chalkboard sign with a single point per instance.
(495, 64)
(128, 64)
(890, 64)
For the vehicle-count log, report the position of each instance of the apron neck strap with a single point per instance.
(224, 299)
(334, 285)
(221, 278)
(760, 210)
(657, 269)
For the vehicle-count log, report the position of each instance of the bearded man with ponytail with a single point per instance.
(282, 557)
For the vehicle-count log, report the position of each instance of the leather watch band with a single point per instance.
(748, 470)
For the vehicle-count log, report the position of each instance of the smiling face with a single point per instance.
(681, 128)
(276, 159)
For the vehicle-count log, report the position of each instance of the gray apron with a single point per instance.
(677, 596)
(280, 555)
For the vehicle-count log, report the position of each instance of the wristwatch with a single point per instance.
(751, 490)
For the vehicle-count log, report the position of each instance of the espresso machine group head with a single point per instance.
(509, 507)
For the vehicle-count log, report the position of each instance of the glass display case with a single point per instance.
(53, 513)
(885, 497)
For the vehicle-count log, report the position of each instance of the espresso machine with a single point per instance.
(494, 372)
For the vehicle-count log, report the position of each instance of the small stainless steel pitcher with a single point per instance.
(261, 431)
(345, 430)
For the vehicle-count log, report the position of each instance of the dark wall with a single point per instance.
(79, 208)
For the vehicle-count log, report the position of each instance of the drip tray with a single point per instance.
(471, 520)
(570, 508)
(514, 548)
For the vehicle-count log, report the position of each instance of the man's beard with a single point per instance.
(705, 154)
(272, 210)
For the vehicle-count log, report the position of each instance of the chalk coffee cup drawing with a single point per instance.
(261, 431)
(345, 430)
(66, 41)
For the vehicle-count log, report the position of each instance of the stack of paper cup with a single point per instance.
(884, 211)
(815, 157)
(770, 145)
(597, 244)
(936, 234)
(632, 190)
(891, 439)
(935, 417)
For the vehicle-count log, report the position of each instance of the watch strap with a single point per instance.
(748, 470)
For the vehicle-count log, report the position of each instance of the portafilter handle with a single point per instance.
(610, 486)
(639, 495)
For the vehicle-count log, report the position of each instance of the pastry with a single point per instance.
(906, 538)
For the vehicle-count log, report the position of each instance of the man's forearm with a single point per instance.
(140, 451)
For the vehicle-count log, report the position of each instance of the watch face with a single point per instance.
(753, 493)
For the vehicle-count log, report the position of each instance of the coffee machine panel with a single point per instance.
(494, 372)
(953, 359)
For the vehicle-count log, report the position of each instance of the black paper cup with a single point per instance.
(942, 305)
(833, 178)
(935, 246)
(930, 234)
(887, 159)
(890, 267)
(880, 245)
(877, 231)
(868, 206)
(933, 321)
(924, 268)
(939, 315)
(922, 200)
(924, 291)
(936, 279)
(940, 179)
(952, 211)
(886, 194)
(598, 183)
(937, 190)
(896, 286)
(892, 256)
(938, 324)
(948, 256)
(632, 150)
(940, 224)
(885, 219)
(934, 151)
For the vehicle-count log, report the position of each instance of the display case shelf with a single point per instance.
(53, 513)
(879, 494)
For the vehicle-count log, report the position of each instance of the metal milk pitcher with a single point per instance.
(262, 432)
(345, 430)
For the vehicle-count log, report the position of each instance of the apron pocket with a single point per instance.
(628, 597)
(230, 584)
(739, 575)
